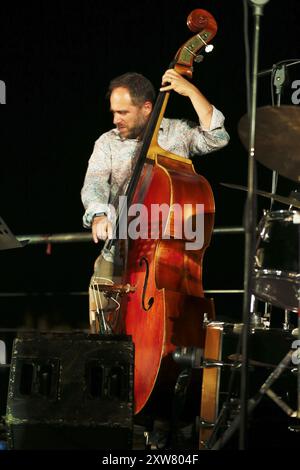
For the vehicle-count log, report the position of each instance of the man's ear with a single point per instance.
(147, 106)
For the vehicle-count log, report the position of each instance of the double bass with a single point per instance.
(164, 303)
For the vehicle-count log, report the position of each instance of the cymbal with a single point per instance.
(277, 138)
(285, 200)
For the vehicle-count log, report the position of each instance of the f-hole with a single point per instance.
(151, 300)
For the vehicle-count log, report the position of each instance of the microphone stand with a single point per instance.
(250, 224)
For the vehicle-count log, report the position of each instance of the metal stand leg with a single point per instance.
(286, 325)
(253, 402)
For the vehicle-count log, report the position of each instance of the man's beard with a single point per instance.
(138, 130)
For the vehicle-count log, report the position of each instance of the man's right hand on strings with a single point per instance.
(101, 228)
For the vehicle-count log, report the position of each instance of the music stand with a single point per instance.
(7, 239)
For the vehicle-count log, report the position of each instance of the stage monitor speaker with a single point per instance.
(70, 391)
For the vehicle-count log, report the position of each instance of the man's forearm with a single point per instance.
(202, 107)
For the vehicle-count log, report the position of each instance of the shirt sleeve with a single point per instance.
(96, 188)
(203, 140)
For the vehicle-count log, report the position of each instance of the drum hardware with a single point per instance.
(207, 363)
(239, 359)
(279, 78)
(292, 200)
(256, 321)
(236, 328)
(206, 424)
(267, 314)
(192, 357)
(222, 336)
(255, 316)
(229, 411)
(205, 320)
(264, 322)
(265, 389)
(287, 317)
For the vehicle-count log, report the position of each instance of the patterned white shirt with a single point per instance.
(112, 161)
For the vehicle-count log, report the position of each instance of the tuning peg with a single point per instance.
(199, 58)
(208, 48)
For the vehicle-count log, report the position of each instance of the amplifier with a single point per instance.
(70, 391)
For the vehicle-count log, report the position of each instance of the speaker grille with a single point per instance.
(70, 390)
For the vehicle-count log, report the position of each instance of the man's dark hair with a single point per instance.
(139, 87)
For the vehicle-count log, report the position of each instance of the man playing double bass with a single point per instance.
(112, 162)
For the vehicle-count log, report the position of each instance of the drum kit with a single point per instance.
(275, 283)
(277, 257)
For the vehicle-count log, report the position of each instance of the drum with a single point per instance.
(220, 397)
(277, 259)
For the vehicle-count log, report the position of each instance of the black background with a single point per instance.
(57, 59)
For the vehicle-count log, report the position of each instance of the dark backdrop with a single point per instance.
(56, 60)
